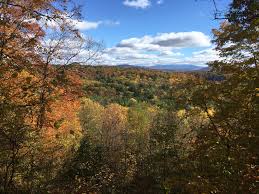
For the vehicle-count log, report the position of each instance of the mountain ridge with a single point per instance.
(172, 67)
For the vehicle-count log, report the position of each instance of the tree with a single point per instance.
(91, 119)
(105, 127)
(31, 84)
(87, 171)
(229, 144)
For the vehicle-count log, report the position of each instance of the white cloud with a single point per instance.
(137, 3)
(182, 39)
(163, 48)
(148, 50)
(116, 55)
(168, 40)
(86, 25)
(159, 2)
(81, 24)
(127, 55)
(110, 23)
(169, 53)
(203, 56)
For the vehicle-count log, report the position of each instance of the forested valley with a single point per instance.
(67, 126)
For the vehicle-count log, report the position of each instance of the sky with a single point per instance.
(152, 32)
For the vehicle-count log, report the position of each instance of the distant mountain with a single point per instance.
(127, 66)
(179, 68)
(173, 67)
(205, 69)
(182, 67)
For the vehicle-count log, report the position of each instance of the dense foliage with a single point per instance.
(97, 129)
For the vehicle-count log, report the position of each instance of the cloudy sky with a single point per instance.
(151, 32)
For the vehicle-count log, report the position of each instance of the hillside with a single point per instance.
(108, 84)
(165, 125)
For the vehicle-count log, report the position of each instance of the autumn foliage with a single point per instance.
(72, 128)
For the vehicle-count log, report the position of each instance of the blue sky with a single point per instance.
(149, 32)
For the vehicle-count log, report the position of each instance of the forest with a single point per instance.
(67, 127)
